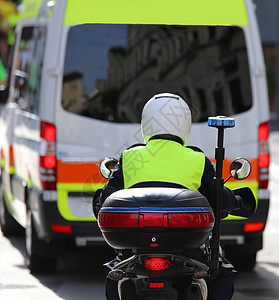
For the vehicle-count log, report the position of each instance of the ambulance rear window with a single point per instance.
(111, 70)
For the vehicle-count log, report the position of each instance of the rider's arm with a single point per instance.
(229, 202)
(114, 183)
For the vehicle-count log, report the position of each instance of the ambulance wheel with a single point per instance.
(9, 225)
(36, 249)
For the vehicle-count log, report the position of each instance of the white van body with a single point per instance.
(49, 180)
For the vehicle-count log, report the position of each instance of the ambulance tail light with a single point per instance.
(60, 228)
(48, 156)
(264, 156)
(251, 227)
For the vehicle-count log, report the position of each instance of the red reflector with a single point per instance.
(48, 161)
(155, 285)
(264, 157)
(153, 245)
(196, 219)
(157, 263)
(48, 185)
(61, 228)
(263, 131)
(48, 131)
(153, 219)
(191, 219)
(264, 160)
(263, 184)
(249, 227)
(118, 219)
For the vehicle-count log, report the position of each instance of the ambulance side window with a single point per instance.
(28, 68)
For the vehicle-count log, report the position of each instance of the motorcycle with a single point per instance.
(157, 222)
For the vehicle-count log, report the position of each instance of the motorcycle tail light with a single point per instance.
(156, 285)
(157, 263)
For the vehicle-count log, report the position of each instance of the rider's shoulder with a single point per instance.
(194, 148)
(138, 145)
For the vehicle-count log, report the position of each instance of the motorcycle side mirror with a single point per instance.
(240, 168)
(107, 165)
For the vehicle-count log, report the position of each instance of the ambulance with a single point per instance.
(81, 73)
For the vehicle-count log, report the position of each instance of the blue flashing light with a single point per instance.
(221, 121)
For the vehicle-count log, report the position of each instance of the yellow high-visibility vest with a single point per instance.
(163, 160)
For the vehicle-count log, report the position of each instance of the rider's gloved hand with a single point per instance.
(238, 202)
(95, 204)
(245, 203)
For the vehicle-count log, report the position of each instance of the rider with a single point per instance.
(166, 124)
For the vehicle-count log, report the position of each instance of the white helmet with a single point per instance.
(166, 114)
